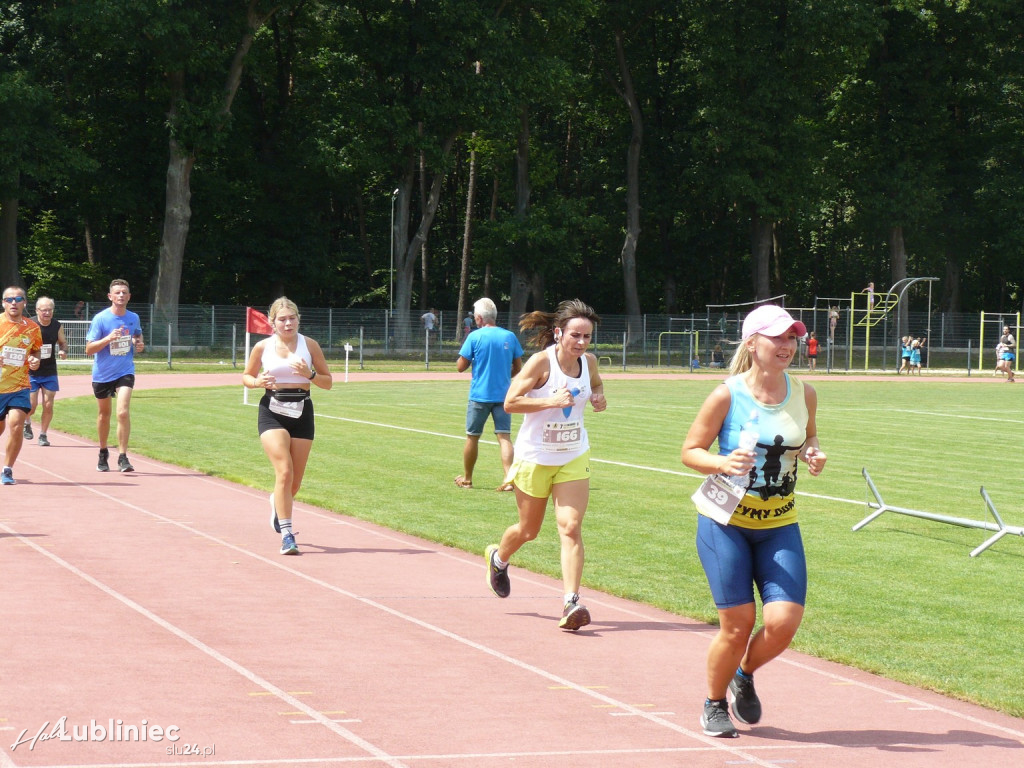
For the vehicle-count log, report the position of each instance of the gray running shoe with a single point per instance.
(497, 578)
(42, 439)
(123, 464)
(102, 465)
(574, 615)
(288, 545)
(28, 431)
(746, 707)
(715, 720)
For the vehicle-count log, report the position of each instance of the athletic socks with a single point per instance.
(286, 526)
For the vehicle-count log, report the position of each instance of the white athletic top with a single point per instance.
(279, 367)
(552, 437)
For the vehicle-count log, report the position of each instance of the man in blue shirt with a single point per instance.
(496, 356)
(114, 338)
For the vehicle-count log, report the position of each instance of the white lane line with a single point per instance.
(291, 700)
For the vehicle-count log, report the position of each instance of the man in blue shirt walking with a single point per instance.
(114, 338)
(496, 356)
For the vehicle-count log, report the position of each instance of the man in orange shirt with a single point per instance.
(20, 342)
(812, 352)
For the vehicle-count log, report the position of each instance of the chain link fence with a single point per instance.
(855, 343)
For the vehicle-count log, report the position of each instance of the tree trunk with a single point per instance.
(467, 231)
(407, 251)
(519, 290)
(898, 270)
(9, 272)
(760, 251)
(177, 208)
(424, 261)
(631, 295)
(467, 236)
(177, 214)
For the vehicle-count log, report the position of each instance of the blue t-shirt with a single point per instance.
(491, 351)
(117, 359)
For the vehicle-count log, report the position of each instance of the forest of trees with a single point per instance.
(648, 156)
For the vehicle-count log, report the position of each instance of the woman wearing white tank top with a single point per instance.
(552, 451)
(286, 365)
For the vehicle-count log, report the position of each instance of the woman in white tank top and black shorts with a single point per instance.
(286, 365)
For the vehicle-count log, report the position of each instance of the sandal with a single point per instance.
(505, 487)
(461, 482)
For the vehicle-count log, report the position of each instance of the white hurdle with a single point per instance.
(1001, 529)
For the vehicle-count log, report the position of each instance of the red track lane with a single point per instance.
(159, 596)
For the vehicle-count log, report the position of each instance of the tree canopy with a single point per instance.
(646, 156)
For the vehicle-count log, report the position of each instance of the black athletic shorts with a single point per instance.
(107, 389)
(302, 427)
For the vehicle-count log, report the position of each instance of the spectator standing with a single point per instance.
(429, 319)
(44, 380)
(20, 342)
(812, 352)
(495, 355)
(114, 339)
(1007, 353)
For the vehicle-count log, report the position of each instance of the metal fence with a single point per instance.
(676, 341)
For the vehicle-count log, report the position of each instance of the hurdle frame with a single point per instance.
(1000, 528)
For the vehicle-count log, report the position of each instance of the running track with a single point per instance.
(158, 596)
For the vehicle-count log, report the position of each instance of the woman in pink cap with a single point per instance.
(747, 531)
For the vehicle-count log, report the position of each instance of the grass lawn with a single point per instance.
(901, 597)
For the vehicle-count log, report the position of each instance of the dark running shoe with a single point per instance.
(123, 464)
(574, 615)
(42, 439)
(102, 465)
(273, 515)
(28, 431)
(497, 578)
(715, 720)
(746, 707)
(7, 478)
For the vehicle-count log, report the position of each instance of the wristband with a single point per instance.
(312, 375)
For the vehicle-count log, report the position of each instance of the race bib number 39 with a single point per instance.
(717, 498)
(562, 436)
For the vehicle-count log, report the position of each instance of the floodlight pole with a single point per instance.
(391, 270)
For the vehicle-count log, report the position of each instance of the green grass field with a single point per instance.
(901, 597)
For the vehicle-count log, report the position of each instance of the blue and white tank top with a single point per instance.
(782, 431)
(555, 436)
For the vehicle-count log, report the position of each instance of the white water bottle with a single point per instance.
(749, 434)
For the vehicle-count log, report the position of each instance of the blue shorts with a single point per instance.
(476, 417)
(734, 559)
(49, 383)
(1009, 357)
(15, 401)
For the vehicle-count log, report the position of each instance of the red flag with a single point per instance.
(257, 322)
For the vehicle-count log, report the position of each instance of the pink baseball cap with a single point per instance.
(771, 320)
